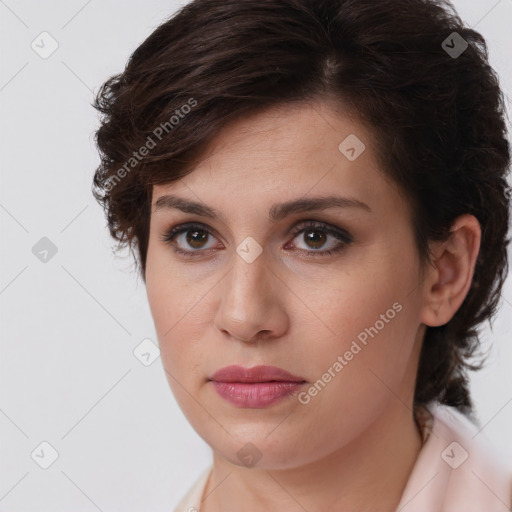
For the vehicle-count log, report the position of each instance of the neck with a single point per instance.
(369, 474)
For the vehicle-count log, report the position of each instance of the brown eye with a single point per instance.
(315, 238)
(195, 238)
(315, 235)
(189, 240)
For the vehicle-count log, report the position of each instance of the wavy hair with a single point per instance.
(429, 96)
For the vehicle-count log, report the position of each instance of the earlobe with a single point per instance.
(452, 271)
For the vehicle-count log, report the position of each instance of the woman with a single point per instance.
(315, 193)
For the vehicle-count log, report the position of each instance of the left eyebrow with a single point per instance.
(276, 213)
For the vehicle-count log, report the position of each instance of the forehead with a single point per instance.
(285, 152)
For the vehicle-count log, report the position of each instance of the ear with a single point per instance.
(449, 278)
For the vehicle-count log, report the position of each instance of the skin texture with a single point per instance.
(353, 445)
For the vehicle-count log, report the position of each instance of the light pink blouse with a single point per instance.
(456, 470)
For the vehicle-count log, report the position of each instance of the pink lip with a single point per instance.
(237, 373)
(255, 387)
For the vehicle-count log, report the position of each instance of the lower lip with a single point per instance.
(255, 395)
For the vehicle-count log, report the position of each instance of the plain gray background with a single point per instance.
(69, 326)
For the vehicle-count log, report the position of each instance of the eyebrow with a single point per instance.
(277, 212)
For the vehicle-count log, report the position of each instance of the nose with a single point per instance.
(252, 305)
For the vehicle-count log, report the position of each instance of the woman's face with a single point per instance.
(258, 287)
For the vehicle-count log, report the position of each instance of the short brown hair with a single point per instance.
(437, 117)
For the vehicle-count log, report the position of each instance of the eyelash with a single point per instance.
(344, 237)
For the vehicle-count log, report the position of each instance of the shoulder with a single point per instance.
(191, 501)
(457, 468)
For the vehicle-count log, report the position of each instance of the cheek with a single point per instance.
(179, 308)
(164, 291)
(371, 315)
(363, 368)
(179, 340)
(172, 320)
(368, 330)
(168, 292)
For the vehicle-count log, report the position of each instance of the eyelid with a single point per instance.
(321, 226)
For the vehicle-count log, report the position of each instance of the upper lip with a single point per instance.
(263, 373)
